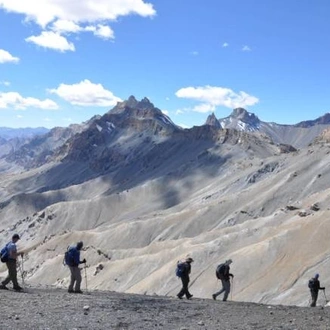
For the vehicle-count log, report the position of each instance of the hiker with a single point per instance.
(10, 254)
(224, 275)
(73, 261)
(314, 286)
(186, 269)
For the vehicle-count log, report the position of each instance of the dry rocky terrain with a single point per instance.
(57, 309)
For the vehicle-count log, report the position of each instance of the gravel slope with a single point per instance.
(56, 309)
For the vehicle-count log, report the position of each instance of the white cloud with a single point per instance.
(194, 53)
(165, 112)
(16, 101)
(225, 44)
(82, 11)
(246, 48)
(65, 17)
(102, 31)
(6, 57)
(19, 117)
(86, 93)
(64, 26)
(211, 97)
(179, 112)
(5, 83)
(53, 40)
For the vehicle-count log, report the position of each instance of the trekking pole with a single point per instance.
(232, 288)
(86, 277)
(325, 297)
(22, 271)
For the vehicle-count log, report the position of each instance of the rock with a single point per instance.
(200, 323)
(86, 308)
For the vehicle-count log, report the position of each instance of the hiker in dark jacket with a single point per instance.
(224, 275)
(74, 252)
(314, 285)
(11, 264)
(185, 279)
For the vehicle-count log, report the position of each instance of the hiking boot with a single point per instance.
(214, 297)
(18, 288)
(3, 287)
(180, 297)
(70, 291)
(189, 297)
(78, 291)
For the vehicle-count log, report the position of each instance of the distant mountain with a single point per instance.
(8, 133)
(299, 135)
(323, 120)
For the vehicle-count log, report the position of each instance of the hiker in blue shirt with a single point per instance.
(11, 256)
(185, 279)
(73, 262)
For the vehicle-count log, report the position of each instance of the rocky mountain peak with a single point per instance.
(213, 121)
(244, 115)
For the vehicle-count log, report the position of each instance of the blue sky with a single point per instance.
(62, 62)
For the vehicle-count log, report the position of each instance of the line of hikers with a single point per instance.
(9, 256)
(222, 273)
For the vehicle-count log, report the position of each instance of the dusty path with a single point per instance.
(57, 309)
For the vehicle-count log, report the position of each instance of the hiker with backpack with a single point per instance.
(183, 270)
(314, 286)
(9, 255)
(223, 274)
(72, 259)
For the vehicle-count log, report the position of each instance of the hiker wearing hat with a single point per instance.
(186, 269)
(73, 263)
(314, 286)
(9, 255)
(223, 274)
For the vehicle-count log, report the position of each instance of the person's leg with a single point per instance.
(7, 279)
(227, 290)
(182, 291)
(78, 279)
(314, 298)
(185, 283)
(221, 290)
(72, 279)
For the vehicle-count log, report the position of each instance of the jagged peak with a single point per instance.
(243, 115)
(213, 121)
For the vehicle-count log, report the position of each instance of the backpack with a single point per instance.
(220, 271)
(68, 256)
(4, 253)
(180, 269)
(312, 284)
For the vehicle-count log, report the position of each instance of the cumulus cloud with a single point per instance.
(6, 57)
(53, 40)
(101, 31)
(246, 48)
(225, 44)
(212, 97)
(86, 94)
(16, 101)
(65, 26)
(68, 17)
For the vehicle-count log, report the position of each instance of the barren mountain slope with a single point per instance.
(230, 197)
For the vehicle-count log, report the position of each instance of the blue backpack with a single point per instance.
(68, 256)
(4, 253)
(180, 269)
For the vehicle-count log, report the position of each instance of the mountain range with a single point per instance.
(143, 193)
